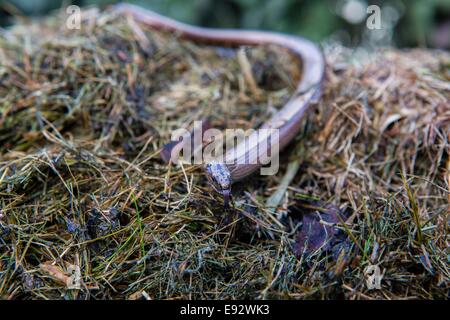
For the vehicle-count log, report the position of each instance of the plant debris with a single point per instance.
(85, 115)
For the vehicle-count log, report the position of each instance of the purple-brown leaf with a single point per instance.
(318, 229)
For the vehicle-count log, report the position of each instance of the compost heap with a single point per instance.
(84, 115)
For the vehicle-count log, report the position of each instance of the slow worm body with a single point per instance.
(243, 160)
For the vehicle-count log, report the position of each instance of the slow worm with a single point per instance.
(243, 160)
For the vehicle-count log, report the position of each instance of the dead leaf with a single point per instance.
(55, 272)
(318, 231)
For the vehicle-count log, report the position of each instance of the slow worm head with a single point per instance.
(244, 159)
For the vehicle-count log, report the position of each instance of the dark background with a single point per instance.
(406, 23)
